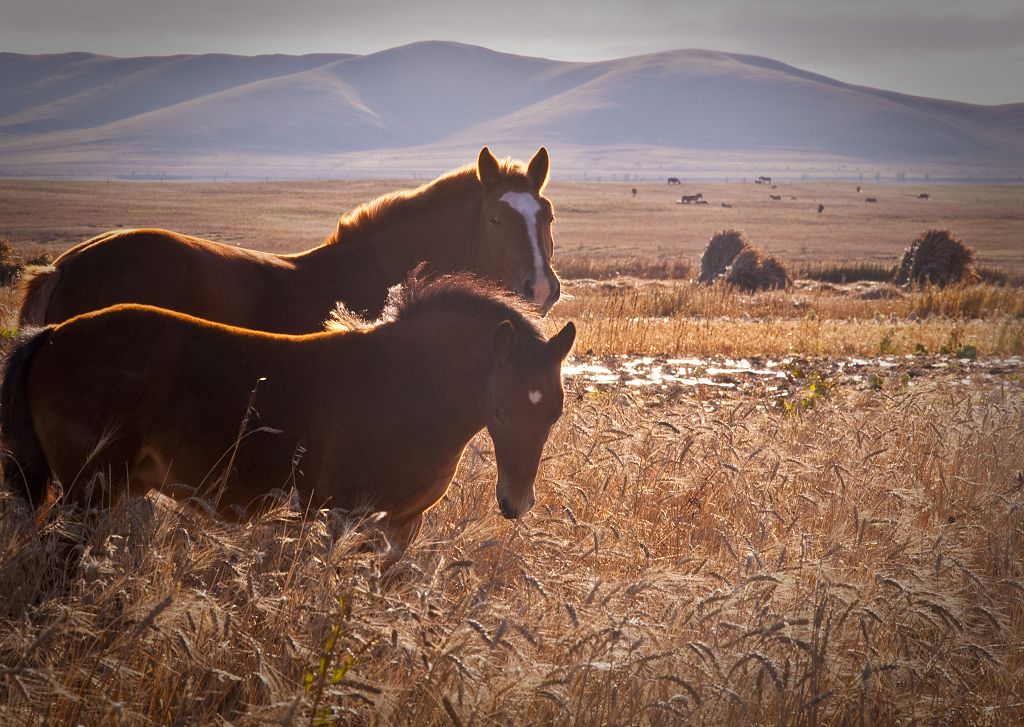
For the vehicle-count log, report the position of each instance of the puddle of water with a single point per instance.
(774, 377)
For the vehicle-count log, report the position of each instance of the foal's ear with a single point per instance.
(487, 169)
(538, 169)
(561, 343)
(504, 342)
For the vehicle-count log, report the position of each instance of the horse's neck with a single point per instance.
(411, 231)
(367, 259)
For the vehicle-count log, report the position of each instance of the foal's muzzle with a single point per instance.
(510, 511)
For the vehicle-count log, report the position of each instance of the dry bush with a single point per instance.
(722, 249)
(753, 270)
(847, 271)
(689, 560)
(937, 257)
(10, 262)
(572, 267)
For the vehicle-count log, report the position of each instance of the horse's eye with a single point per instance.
(495, 220)
(499, 415)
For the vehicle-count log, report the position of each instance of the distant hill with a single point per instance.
(79, 109)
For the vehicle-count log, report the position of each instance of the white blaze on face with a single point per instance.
(535, 397)
(527, 205)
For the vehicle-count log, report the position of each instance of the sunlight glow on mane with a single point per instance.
(460, 292)
(452, 184)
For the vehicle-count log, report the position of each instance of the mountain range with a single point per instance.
(85, 111)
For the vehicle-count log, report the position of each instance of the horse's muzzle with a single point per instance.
(513, 512)
(544, 294)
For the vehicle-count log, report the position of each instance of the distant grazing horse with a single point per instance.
(634, 191)
(870, 199)
(775, 197)
(821, 208)
(673, 180)
(763, 180)
(691, 198)
(490, 219)
(134, 398)
(924, 195)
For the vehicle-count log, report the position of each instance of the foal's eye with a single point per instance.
(495, 220)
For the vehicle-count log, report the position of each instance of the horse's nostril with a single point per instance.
(528, 289)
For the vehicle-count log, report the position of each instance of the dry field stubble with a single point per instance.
(698, 554)
(691, 559)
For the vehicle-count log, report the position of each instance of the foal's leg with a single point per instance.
(402, 534)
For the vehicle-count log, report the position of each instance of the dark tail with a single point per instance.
(25, 469)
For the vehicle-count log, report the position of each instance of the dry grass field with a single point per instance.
(790, 507)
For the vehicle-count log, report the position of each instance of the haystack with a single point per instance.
(753, 270)
(937, 257)
(722, 249)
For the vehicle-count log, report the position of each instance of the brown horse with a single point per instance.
(490, 219)
(134, 398)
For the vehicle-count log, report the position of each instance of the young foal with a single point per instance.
(134, 398)
(490, 219)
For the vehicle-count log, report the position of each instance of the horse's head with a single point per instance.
(515, 229)
(525, 399)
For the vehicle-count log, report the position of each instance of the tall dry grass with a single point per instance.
(689, 560)
(682, 318)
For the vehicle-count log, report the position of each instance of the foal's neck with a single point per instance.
(448, 367)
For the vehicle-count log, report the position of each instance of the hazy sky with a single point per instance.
(968, 51)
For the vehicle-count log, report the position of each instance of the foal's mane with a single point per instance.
(451, 185)
(458, 292)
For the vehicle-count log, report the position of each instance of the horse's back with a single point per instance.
(152, 267)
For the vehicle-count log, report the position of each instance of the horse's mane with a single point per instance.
(459, 292)
(450, 185)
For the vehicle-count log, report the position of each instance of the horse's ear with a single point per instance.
(561, 343)
(487, 169)
(504, 342)
(538, 169)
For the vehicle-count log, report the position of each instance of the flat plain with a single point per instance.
(787, 507)
(593, 220)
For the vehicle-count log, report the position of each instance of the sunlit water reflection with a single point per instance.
(779, 377)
